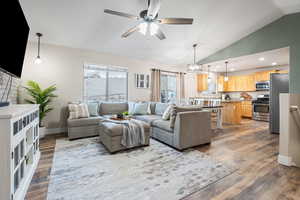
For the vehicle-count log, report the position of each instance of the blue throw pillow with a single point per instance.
(140, 109)
(93, 109)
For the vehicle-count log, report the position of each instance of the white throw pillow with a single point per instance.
(131, 107)
(78, 111)
(166, 115)
(140, 109)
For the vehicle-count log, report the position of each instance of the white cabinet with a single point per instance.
(19, 149)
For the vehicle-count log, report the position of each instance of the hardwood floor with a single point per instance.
(249, 147)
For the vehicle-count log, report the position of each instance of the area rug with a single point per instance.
(84, 170)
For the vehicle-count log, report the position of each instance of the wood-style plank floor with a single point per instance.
(249, 147)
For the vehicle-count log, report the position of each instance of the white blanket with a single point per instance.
(133, 133)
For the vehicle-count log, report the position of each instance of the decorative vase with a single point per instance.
(42, 131)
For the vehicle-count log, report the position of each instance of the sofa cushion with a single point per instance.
(84, 121)
(160, 108)
(113, 108)
(131, 107)
(167, 113)
(112, 129)
(141, 109)
(178, 109)
(77, 111)
(93, 109)
(152, 107)
(147, 118)
(162, 124)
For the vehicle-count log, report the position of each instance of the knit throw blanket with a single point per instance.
(133, 133)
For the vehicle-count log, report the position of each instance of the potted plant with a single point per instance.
(43, 98)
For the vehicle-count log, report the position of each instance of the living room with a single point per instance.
(143, 112)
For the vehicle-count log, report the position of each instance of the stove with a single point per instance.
(261, 108)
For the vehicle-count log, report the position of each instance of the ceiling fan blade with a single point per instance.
(131, 31)
(160, 35)
(153, 8)
(121, 14)
(176, 21)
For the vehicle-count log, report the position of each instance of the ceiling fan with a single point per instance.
(149, 20)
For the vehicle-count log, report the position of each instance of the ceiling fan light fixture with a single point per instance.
(143, 28)
(153, 28)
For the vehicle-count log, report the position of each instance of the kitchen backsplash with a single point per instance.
(236, 95)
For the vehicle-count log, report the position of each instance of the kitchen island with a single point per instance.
(232, 111)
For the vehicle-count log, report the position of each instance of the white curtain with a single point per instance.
(155, 85)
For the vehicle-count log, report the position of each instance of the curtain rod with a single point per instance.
(170, 71)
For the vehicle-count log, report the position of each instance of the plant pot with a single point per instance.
(42, 131)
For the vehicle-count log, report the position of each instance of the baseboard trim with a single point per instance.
(51, 131)
(285, 160)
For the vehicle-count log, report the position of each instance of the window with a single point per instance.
(103, 83)
(168, 88)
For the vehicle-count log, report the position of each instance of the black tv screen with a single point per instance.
(14, 36)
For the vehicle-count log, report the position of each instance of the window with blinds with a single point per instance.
(168, 88)
(105, 83)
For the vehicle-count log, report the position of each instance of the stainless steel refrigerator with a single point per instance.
(279, 83)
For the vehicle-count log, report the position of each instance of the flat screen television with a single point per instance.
(14, 37)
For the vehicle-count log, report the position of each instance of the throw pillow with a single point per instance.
(177, 109)
(160, 108)
(140, 109)
(78, 111)
(131, 107)
(93, 109)
(167, 113)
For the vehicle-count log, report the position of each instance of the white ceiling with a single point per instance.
(82, 24)
(278, 57)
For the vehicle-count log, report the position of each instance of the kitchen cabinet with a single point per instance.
(247, 109)
(202, 82)
(244, 83)
(263, 76)
(222, 85)
(232, 112)
(283, 71)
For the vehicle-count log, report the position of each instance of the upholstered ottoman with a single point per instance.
(111, 133)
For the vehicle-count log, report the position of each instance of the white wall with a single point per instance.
(63, 66)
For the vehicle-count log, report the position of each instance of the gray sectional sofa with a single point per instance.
(192, 125)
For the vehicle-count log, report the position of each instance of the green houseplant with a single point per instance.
(43, 97)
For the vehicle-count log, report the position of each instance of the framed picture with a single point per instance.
(142, 80)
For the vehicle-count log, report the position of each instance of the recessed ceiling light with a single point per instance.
(261, 59)
(274, 63)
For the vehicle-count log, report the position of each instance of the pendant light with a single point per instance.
(208, 74)
(226, 73)
(38, 59)
(194, 67)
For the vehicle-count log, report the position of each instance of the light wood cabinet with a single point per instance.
(263, 76)
(247, 109)
(222, 85)
(245, 83)
(232, 112)
(283, 71)
(202, 82)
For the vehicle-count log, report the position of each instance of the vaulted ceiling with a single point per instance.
(217, 24)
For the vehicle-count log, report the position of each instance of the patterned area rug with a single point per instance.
(84, 170)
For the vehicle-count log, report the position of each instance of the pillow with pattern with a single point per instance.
(78, 111)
